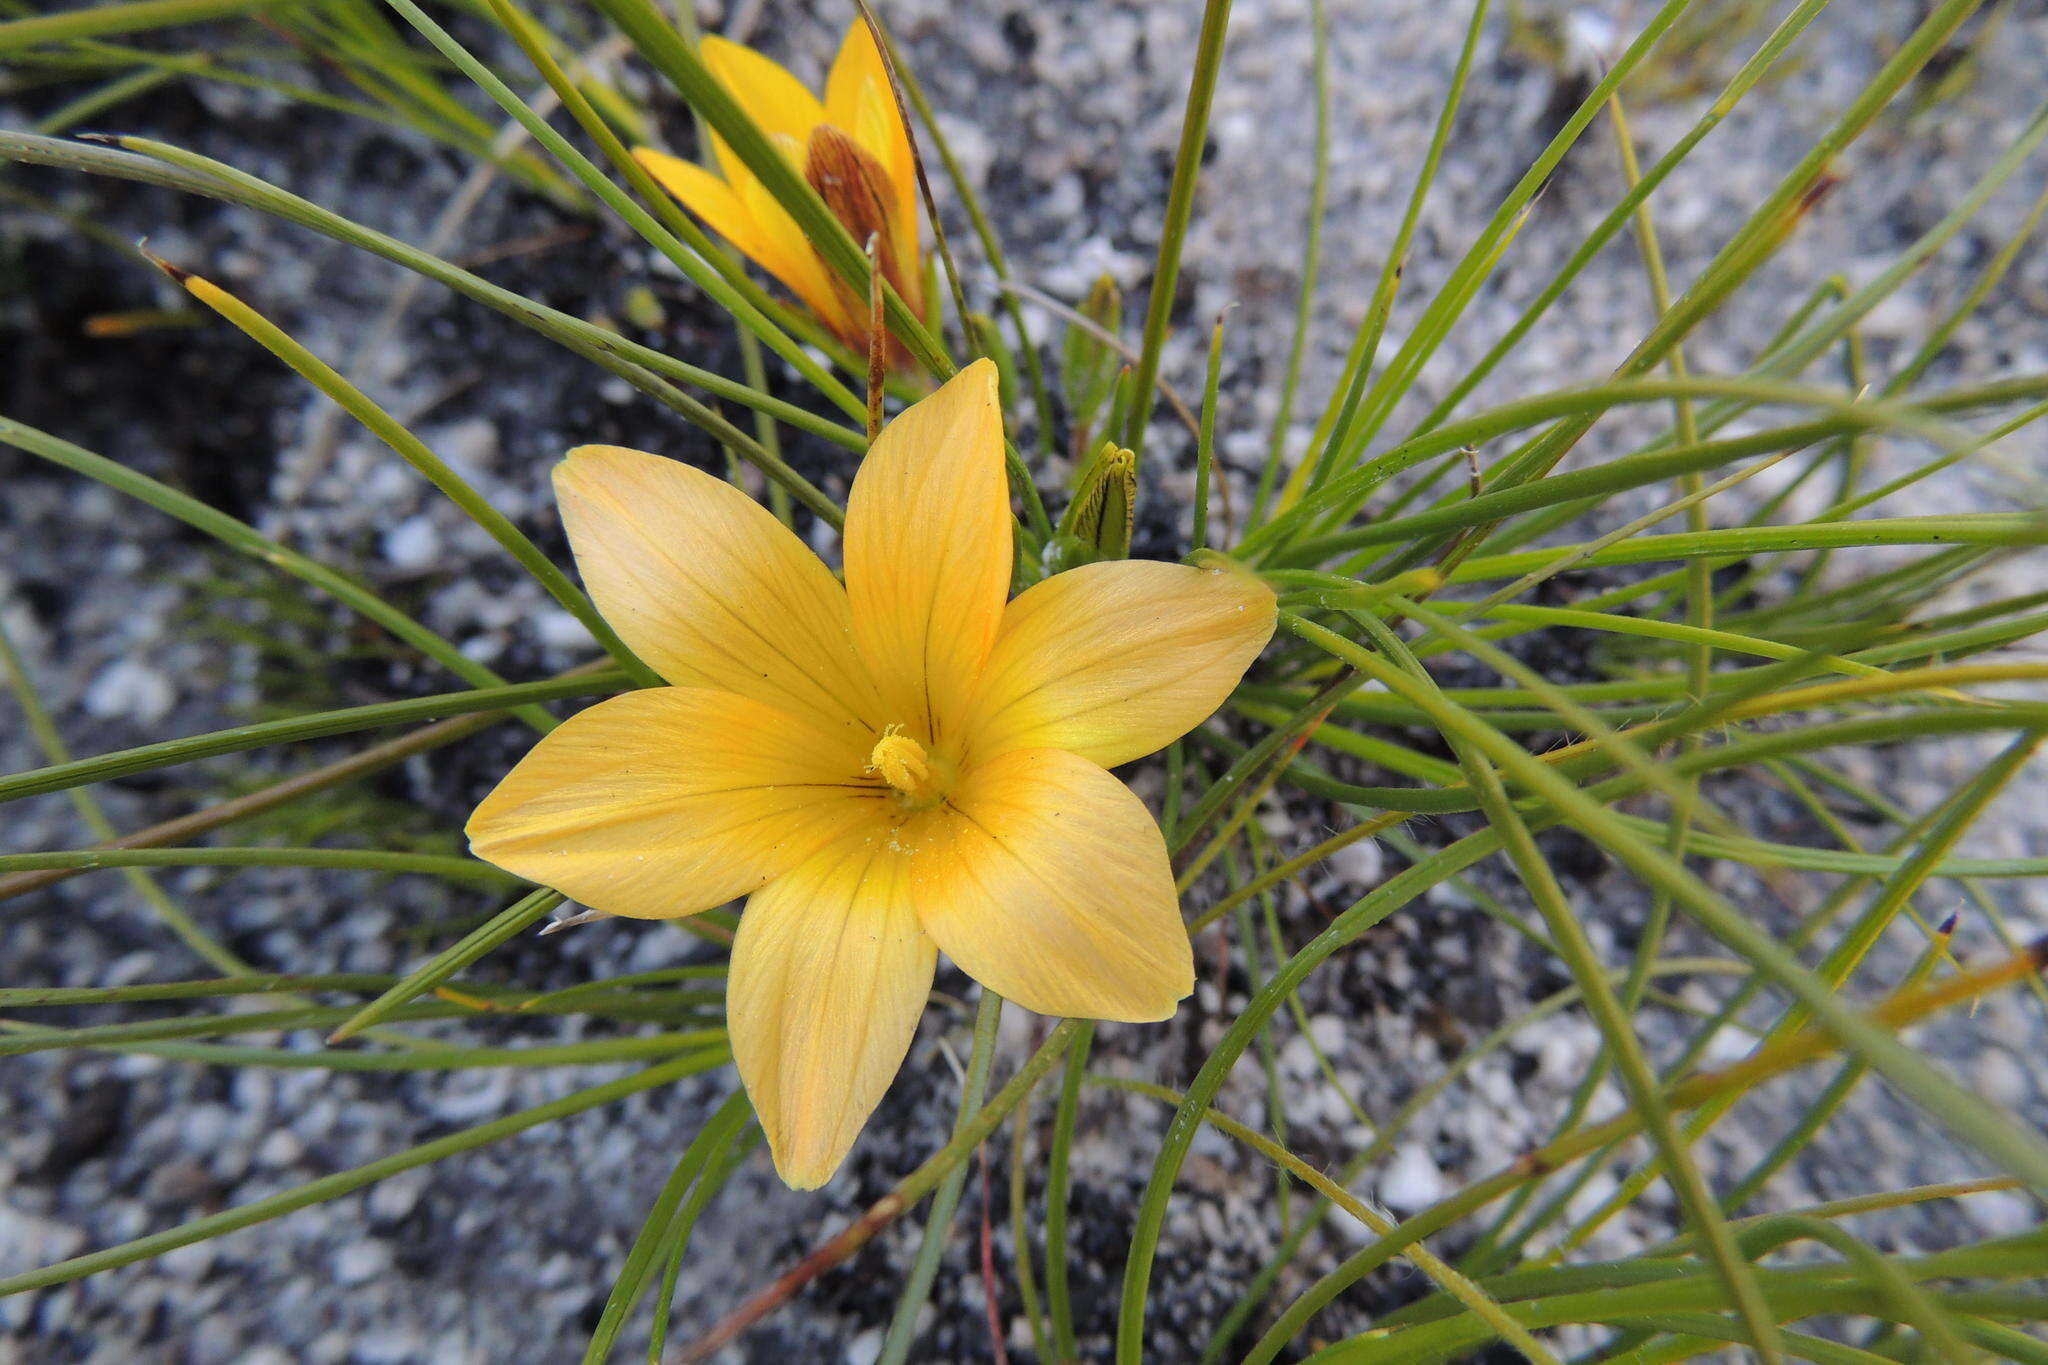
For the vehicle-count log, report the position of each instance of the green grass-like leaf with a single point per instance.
(1728, 643)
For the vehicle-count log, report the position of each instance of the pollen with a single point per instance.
(902, 762)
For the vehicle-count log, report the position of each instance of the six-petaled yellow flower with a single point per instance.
(891, 767)
(852, 148)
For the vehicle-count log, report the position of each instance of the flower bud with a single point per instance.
(1105, 504)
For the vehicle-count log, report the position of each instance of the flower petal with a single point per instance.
(798, 264)
(859, 99)
(713, 200)
(669, 801)
(1048, 882)
(879, 127)
(711, 590)
(1114, 661)
(830, 973)
(772, 98)
(749, 218)
(928, 552)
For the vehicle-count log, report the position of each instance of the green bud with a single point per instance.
(1105, 503)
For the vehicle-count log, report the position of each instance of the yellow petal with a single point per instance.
(859, 99)
(751, 220)
(791, 258)
(928, 552)
(1113, 661)
(879, 127)
(774, 99)
(830, 973)
(1047, 881)
(670, 801)
(711, 590)
(711, 199)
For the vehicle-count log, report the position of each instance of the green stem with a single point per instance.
(509, 923)
(642, 366)
(918, 1287)
(1059, 1177)
(1180, 204)
(1971, 1118)
(1333, 429)
(1205, 442)
(138, 16)
(236, 739)
(991, 245)
(1311, 262)
(655, 1236)
(360, 859)
(905, 1194)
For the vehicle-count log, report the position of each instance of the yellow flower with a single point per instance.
(888, 768)
(854, 151)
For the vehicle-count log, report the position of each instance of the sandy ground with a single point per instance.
(1066, 116)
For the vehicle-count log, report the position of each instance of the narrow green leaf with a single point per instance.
(507, 924)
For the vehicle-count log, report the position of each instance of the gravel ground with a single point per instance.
(1066, 114)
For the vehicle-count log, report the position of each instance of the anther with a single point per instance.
(900, 761)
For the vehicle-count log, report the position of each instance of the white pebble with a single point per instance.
(27, 1241)
(128, 690)
(2001, 1213)
(1360, 864)
(413, 543)
(1998, 1077)
(361, 1262)
(1413, 1181)
(391, 1200)
(557, 629)
(280, 1147)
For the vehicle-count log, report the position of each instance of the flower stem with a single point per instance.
(1180, 203)
(918, 1288)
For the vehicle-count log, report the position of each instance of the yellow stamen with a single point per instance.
(902, 762)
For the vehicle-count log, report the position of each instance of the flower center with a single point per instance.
(903, 763)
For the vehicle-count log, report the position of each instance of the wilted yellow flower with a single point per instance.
(896, 766)
(854, 151)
